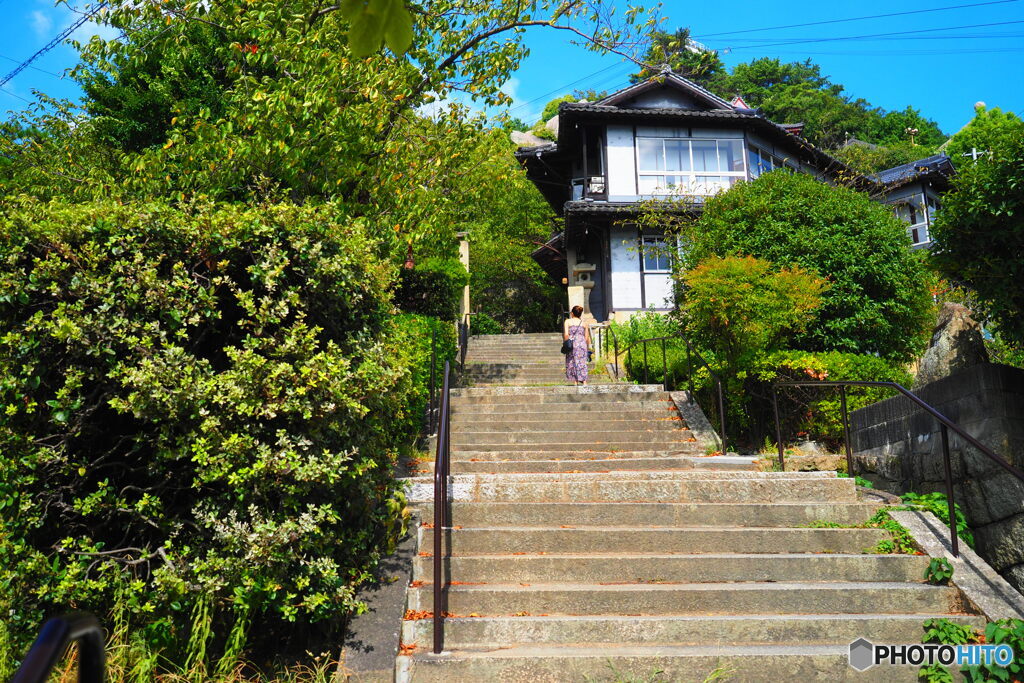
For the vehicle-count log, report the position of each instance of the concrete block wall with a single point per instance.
(899, 448)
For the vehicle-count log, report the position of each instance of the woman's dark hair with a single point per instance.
(577, 311)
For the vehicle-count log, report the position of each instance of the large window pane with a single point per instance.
(755, 162)
(731, 154)
(650, 183)
(705, 155)
(710, 184)
(677, 155)
(651, 158)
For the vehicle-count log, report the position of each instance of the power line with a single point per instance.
(976, 36)
(14, 94)
(839, 21)
(53, 43)
(562, 88)
(802, 41)
(34, 68)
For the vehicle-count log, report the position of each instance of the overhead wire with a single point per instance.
(864, 18)
(802, 41)
(53, 43)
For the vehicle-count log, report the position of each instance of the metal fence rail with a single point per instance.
(52, 644)
(945, 424)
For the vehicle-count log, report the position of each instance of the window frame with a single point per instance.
(693, 176)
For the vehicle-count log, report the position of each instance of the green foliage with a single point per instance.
(703, 67)
(858, 480)
(877, 301)
(201, 410)
(432, 288)
(939, 571)
(817, 413)
(979, 234)
(481, 323)
(742, 307)
(891, 129)
(551, 108)
(644, 325)
(899, 542)
(1000, 632)
(987, 128)
(870, 160)
(373, 22)
(937, 504)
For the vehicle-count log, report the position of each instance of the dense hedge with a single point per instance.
(199, 410)
(432, 288)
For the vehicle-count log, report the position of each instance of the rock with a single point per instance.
(526, 139)
(956, 344)
(552, 125)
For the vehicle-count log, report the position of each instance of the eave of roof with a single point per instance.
(658, 81)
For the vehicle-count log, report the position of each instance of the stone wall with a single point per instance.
(898, 447)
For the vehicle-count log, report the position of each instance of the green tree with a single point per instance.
(987, 127)
(872, 159)
(891, 129)
(679, 52)
(551, 108)
(877, 301)
(979, 234)
(744, 307)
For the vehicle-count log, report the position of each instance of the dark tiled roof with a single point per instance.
(593, 108)
(585, 207)
(939, 164)
(660, 79)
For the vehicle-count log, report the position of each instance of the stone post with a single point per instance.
(464, 259)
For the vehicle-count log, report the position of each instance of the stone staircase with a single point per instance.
(593, 540)
(518, 360)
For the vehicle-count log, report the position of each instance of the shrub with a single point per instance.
(809, 411)
(877, 301)
(644, 325)
(200, 410)
(481, 323)
(434, 288)
(741, 308)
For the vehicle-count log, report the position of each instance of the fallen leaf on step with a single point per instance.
(521, 614)
(417, 583)
(406, 649)
(566, 526)
(415, 615)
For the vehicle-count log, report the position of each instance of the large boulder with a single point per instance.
(956, 344)
(527, 139)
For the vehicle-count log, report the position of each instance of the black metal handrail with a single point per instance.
(945, 424)
(464, 330)
(52, 643)
(690, 354)
(442, 514)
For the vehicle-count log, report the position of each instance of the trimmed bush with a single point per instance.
(199, 412)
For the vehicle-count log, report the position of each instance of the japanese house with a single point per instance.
(665, 137)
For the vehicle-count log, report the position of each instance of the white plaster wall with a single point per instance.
(625, 280)
(658, 290)
(621, 164)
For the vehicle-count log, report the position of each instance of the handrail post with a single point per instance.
(954, 541)
(778, 427)
(846, 431)
(647, 377)
(664, 366)
(721, 416)
(432, 390)
(57, 633)
(616, 349)
(441, 519)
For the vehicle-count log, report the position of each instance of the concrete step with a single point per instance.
(563, 394)
(595, 410)
(556, 426)
(690, 540)
(633, 514)
(817, 597)
(808, 629)
(632, 567)
(699, 462)
(540, 664)
(662, 463)
(656, 435)
(637, 487)
(550, 382)
(687, 447)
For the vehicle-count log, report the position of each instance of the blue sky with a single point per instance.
(941, 62)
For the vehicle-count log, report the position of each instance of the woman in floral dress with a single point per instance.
(576, 362)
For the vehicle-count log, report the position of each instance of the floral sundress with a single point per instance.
(576, 362)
